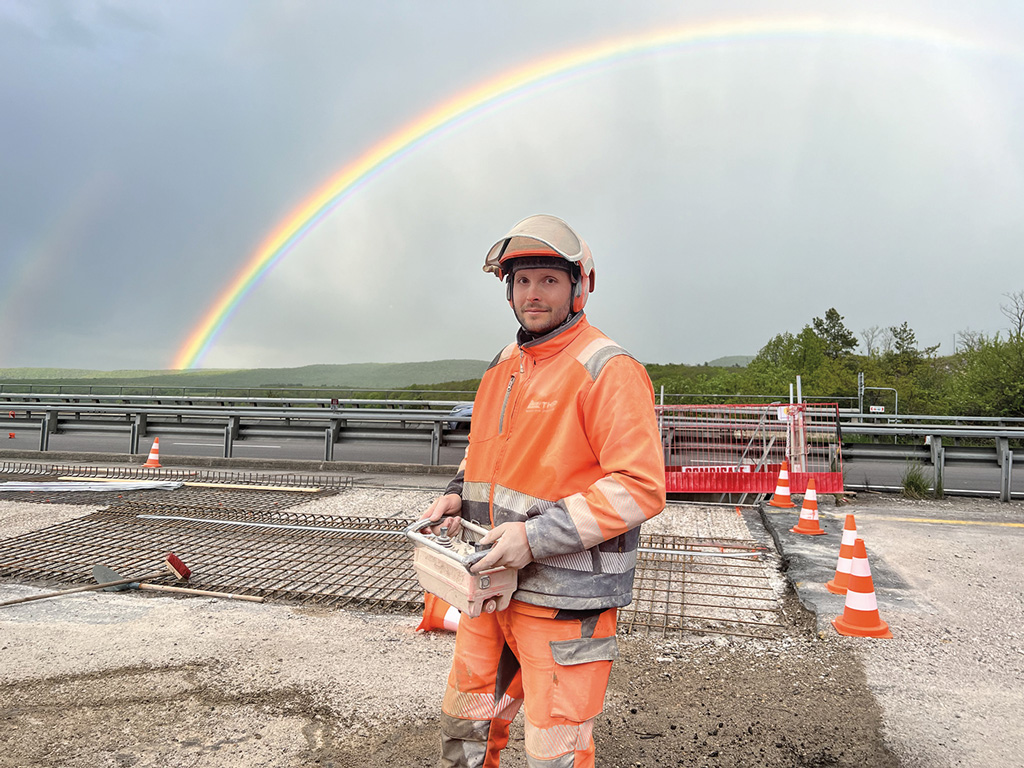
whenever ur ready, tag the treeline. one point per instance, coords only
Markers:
(984, 377)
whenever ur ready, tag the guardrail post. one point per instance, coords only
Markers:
(938, 460)
(47, 425)
(329, 444)
(1006, 476)
(138, 432)
(1002, 446)
(229, 442)
(435, 444)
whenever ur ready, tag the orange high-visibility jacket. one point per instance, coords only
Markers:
(564, 437)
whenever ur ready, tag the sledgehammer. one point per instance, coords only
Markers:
(116, 583)
(172, 564)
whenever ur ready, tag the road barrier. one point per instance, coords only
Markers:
(728, 445)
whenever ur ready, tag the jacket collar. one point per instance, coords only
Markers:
(556, 340)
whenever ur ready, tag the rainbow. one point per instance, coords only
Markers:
(497, 91)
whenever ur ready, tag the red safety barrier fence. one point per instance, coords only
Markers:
(740, 448)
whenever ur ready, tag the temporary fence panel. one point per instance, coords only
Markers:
(740, 448)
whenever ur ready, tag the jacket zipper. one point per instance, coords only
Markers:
(504, 405)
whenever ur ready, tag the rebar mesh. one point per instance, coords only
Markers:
(22, 468)
(366, 562)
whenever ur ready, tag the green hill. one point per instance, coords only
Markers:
(731, 361)
(357, 375)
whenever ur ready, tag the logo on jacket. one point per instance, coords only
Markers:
(541, 405)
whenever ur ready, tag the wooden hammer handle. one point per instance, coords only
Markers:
(188, 591)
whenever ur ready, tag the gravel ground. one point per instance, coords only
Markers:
(142, 679)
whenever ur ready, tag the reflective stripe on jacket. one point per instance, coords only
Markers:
(564, 437)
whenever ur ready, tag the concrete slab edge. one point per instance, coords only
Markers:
(277, 465)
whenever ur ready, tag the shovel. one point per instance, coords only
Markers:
(172, 564)
(115, 583)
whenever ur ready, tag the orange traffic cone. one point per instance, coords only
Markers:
(437, 614)
(808, 522)
(860, 616)
(10, 435)
(154, 454)
(842, 578)
(782, 499)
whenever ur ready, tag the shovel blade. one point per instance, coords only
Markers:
(101, 574)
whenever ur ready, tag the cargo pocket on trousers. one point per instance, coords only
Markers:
(580, 677)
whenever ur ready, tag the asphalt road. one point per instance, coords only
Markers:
(947, 581)
(288, 448)
(860, 475)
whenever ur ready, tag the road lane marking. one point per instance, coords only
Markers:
(884, 518)
(221, 445)
(937, 520)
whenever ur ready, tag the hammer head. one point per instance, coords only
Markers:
(177, 567)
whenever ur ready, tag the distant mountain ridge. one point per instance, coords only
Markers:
(730, 361)
(350, 375)
(359, 375)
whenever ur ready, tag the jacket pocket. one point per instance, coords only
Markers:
(580, 677)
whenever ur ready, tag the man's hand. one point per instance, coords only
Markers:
(448, 506)
(511, 548)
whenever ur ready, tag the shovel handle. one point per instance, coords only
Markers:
(188, 591)
(89, 588)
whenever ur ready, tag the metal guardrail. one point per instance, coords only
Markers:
(431, 427)
(225, 400)
(991, 440)
(933, 449)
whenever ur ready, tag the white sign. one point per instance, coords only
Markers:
(877, 409)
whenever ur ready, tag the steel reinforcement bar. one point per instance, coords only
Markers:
(365, 562)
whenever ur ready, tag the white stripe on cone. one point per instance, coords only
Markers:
(451, 618)
(861, 601)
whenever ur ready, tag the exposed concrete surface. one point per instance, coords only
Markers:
(948, 582)
(133, 679)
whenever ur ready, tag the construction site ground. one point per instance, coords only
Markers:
(148, 679)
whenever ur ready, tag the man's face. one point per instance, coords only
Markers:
(541, 298)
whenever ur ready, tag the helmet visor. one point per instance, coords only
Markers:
(535, 235)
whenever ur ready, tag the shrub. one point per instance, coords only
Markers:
(915, 482)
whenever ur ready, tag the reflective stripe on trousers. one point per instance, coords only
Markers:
(562, 680)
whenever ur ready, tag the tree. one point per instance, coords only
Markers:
(904, 340)
(989, 380)
(839, 340)
(1014, 312)
(871, 337)
(902, 356)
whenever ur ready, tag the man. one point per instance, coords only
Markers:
(565, 461)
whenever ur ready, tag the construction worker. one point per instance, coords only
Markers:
(565, 462)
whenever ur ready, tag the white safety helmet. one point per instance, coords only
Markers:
(546, 237)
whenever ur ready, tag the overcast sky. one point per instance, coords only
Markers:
(730, 190)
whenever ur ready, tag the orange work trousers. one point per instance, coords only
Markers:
(556, 668)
